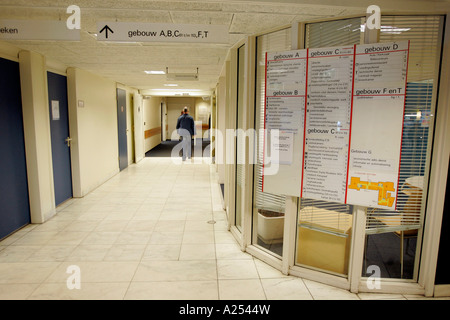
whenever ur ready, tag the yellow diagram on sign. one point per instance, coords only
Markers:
(384, 197)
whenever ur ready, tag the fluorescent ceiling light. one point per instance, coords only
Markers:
(155, 72)
(171, 85)
(179, 90)
(393, 30)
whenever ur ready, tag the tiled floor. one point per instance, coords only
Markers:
(145, 234)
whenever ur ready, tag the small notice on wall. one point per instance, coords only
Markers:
(282, 145)
(55, 110)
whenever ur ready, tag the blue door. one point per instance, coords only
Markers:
(122, 128)
(14, 201)
(60, 137)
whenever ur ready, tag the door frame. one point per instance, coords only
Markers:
(122, 132)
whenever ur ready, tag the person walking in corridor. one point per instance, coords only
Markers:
(186, 129)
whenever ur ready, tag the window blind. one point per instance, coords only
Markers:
(275, 41)
(424, 33)
(333, 33)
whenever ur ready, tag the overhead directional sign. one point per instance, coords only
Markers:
(106, 29)
(37, 30)
(161, 32)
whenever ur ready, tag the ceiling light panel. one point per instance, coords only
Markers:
(154, 72)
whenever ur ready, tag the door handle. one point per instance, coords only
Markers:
(68, 140)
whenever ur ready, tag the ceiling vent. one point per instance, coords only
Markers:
(181, 76)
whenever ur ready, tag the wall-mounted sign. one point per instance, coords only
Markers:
(55, 110)
(377, 124)
(327, 123)
(37, 30)
(351, 131)
(284, 113)
(161, 32)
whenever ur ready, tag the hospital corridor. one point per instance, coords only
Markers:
(211, 153)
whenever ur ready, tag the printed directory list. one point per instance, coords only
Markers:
(327, 123)
(285, 92)
(377, 124)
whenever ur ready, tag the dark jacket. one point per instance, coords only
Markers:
(186, 122)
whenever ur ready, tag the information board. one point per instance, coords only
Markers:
(377, 124)
(342, 108)
(283, 122)
(327, 125)
(53, 30)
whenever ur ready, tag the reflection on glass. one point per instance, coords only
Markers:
(393, 253)
(324, 232)
(270, 230)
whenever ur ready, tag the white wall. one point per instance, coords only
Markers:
(152, 121)
(138, 114)
(130, 135)
(36, 119)
(93, 128)
(220, 133)
(202, 114)
(8, 51)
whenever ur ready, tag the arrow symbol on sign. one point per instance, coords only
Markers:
(106, 29)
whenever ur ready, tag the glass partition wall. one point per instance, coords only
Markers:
(324, 229)
(323, 239)
(268, 209)
(240, 139)
(392, 241)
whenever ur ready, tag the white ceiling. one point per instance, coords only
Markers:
(126, 62)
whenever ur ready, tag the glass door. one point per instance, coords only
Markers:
(268, 209)
(393, 238)
(324, 228)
